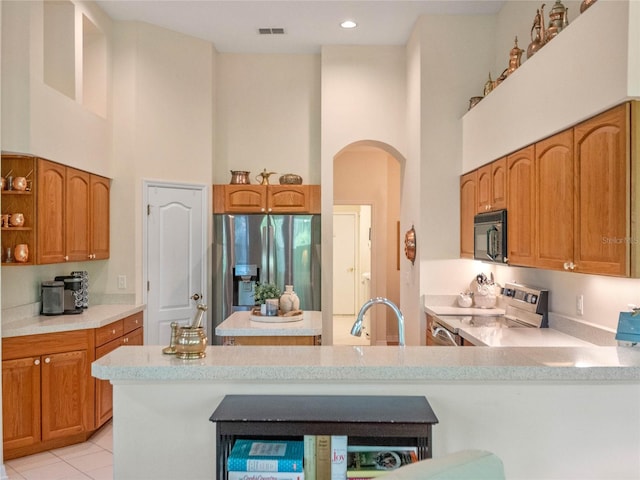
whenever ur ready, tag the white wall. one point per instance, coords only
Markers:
(268, 116)
(163, 128)
(363, 99)
(449, 69)
(570, 79)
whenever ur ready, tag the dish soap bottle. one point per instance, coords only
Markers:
(289, 301)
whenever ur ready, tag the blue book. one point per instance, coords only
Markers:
(266, 456)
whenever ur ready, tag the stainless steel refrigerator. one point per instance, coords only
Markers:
(250, 248)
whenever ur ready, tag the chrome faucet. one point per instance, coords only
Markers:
(356, 330)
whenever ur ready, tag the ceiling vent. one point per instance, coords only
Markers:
(271, 31)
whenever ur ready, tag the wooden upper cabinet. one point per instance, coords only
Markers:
(492, 186)
(77, 219)
(602, 180)
(266, 199)
(50, 212)
(555, 204)
(73, 214)
(468, 190)
(521, 212)
(99, 214)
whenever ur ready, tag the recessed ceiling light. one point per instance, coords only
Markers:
(348, 24)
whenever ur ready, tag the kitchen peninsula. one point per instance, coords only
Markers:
(241, 329)
(533, 407)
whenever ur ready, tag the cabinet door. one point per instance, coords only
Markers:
(555, 201)
(521, 207)
(468, 191)
(499, 184)
(104, 389)
(245, 198)
(21, 402)
(492, 186)
(288, 199)
(602, 230)
(100, 217)
(65, 403)
(483, 181)
(50, 205)
(77, 190)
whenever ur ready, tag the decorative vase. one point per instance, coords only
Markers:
(289, 301)
(21, 253)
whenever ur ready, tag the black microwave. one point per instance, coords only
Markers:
(490, 236)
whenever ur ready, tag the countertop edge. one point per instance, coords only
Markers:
(94, 317)
(365, 364)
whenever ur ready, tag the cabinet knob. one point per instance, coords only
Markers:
(125, 340)
(262, 209)
(36, 361)
(66, 258)
(47, 360)
(113, 331)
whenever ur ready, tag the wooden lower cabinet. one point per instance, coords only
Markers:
(48, 397)
(128, 331)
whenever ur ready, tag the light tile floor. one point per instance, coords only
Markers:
(91, 460)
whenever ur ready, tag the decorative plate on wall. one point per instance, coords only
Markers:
(410, 245)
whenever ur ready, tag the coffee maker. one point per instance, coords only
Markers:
(245, 278)
(52, 294)
(72, 294)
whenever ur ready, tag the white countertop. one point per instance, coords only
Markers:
(500, 336)
(239, 324)
(93, 317)
(349, 364)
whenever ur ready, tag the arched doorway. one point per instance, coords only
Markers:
(366, 181)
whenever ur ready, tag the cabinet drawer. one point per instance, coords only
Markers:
(135, 337)
(109, 332)
(102, 350)
(43, 344)
(132, 322)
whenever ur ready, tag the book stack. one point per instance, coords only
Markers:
(366, 461)
(266, 460)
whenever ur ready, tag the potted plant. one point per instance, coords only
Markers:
(264, 292)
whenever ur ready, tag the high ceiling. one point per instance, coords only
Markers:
(232, 25)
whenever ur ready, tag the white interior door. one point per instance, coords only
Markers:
(345, 240)
(176, 257)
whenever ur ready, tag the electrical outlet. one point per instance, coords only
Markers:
(122, 282)
(580, 304)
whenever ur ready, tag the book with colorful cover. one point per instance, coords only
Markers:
(266, 456)
(265, 476)
(376, 460)
(338, 457)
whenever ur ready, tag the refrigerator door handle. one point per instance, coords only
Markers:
(264, 253)
(271, 254)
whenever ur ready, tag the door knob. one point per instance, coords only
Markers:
(196, 296)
